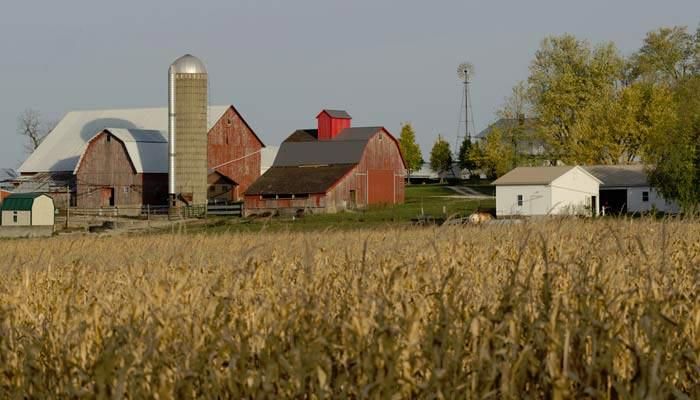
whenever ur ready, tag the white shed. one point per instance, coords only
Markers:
(27, 209)
(559, 190)
(626, 189)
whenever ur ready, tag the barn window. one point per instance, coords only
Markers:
(109, 137)
(126, 189)
(14, 217)
(229, 122)
(520, 200)
(645, 196)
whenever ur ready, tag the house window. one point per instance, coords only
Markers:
(645, 196)
(520, 200)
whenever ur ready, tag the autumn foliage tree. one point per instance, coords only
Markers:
(410, 149)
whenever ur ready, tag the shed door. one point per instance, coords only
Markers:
(381, 186)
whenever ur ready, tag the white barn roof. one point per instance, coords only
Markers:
(62, 148)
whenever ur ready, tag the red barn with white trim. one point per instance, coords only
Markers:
(331, 168)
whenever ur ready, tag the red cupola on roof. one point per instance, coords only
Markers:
(332, 122)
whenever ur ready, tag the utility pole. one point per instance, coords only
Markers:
(67, 205)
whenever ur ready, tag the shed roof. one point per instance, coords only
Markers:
(61, 149)
(19, 201)
(298, 180)
(335, 114)
(620, 175)
(532, 175)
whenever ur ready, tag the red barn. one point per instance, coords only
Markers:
(331, 168)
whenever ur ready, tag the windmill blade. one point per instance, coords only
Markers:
(465, 70)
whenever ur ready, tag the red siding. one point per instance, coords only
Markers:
(234, 150)
(329, 127)
(3, 194)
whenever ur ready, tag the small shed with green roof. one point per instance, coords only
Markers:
(27, 209)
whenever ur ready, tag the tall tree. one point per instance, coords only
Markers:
(441, 156)
(668, 55)
(566, 77)
(409, 148)
(30, 125)
(465, 162)
(494, 155)
(674, 154)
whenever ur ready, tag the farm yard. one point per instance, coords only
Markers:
(567, 308)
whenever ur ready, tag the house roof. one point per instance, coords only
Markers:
(619, 175)
(299, 180)
(19, 201)
(529, 125)
(61, 149)
(336, 114)
(532, 175)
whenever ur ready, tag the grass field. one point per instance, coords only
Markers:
(427, 199)
(561, 309)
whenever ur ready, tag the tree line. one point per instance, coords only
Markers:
(587, 104)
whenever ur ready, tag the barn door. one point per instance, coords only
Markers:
(380, 188)
(107, 197)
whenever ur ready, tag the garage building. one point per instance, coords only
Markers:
(557, 190)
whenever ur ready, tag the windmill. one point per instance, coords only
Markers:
(465, 72)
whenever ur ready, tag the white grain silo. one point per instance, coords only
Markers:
(187, 132)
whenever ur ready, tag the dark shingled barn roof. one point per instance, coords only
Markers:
(299, 180)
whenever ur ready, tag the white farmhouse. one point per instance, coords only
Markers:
(558, 190)
(626, 189)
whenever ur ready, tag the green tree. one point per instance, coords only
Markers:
(674, 153)
(494, 155)
(465, 162)
(441, 156)
(410, 149)
(566, 77)
(668, 55)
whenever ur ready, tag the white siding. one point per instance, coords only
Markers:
(536, 200)
(572, 192)
(43, 211)
(635, 203)
(23, 218)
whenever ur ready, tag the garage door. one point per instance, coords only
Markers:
(381, 186)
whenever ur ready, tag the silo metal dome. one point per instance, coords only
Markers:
(188, 64)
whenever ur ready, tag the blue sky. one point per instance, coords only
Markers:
(280, 62)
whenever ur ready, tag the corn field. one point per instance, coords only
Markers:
(560, 309)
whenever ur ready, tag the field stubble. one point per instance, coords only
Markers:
(599, 309)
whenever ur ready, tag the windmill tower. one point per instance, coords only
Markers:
(465, 72)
